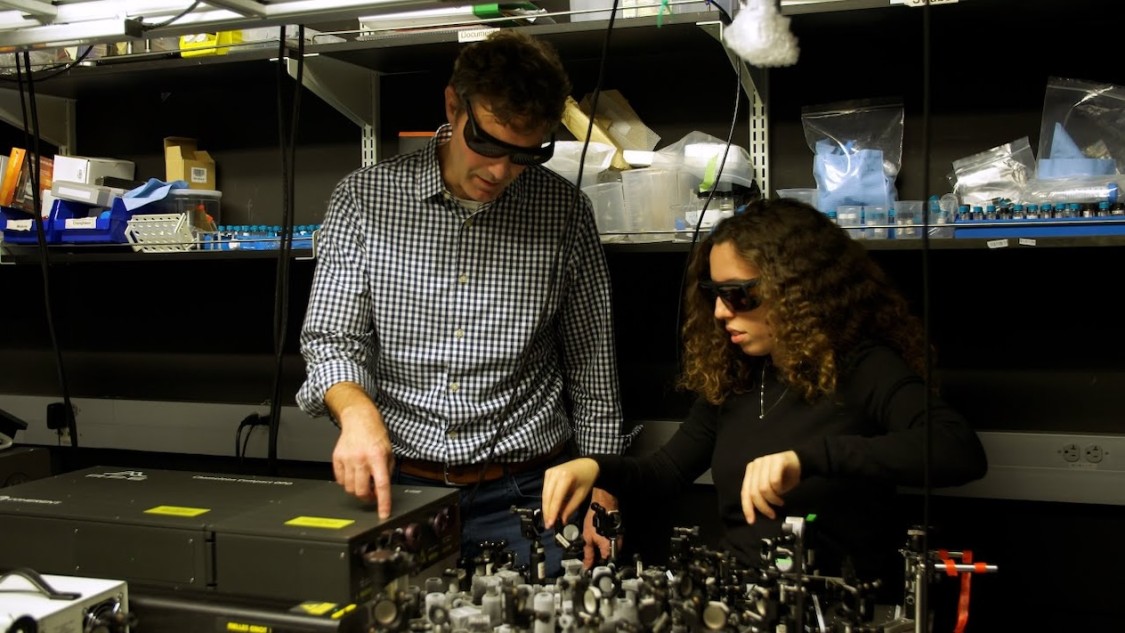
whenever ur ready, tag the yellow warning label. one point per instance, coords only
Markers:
(177, 511)
(242, 627)
(316, 608)
(320, 522)
(339, 613)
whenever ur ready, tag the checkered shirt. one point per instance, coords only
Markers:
(464, 324)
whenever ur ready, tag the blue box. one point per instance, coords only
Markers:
(11, 217)
(73, 224)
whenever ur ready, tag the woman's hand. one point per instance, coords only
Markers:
(565, 487)
(767, 479)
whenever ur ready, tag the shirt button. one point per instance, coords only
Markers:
(464, 278)
(452, 434)
(454, 386)
(459, 333)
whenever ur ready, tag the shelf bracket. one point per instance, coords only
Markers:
(43, 12)
(56, 118)
(754, 84)
(351, 90)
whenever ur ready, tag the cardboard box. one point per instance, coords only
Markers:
(183, 161)
(91, 171)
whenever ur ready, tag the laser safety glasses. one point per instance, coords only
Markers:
(485, 144)
(735, 296)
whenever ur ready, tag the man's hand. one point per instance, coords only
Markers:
(767, 479)
(596, 543)
(363, 454)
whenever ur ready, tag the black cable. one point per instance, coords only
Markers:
(31, 140)
(288, 145)
(702, 212)
(504, 416)
(927, 442)
(59, 68)
(159, 25)
(250, 421)
(724, 17)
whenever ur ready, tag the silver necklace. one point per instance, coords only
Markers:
(762, 397)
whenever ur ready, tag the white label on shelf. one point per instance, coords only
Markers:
(473, 35)
(82, 223)
(18, 225)
(1027, 241)
(997, 243)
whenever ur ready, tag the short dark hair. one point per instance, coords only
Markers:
(521, 78)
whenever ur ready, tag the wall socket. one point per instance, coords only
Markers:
(1093, 453)
(1070, 452)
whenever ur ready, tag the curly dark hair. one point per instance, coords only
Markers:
(825, 297)
(521, 77)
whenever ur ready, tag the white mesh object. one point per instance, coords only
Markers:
(760, 35)
(160, 232)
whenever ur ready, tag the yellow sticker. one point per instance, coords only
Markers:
(320, 522)
(316, 608)
(177, 511)
(242, 627)
(339, 613)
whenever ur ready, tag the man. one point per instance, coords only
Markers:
(458, 328)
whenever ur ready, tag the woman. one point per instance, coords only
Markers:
(807, 364)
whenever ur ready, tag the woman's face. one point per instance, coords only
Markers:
(747, 329)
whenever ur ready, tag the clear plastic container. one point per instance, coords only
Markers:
(808, 196)
(654, 198)
(608, 199)
(848, 216)
(203, 206)
(908, 215)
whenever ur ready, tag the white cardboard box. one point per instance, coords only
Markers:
(89, 171)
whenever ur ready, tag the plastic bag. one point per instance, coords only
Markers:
(857, 148)
(998, 173)
(699, 154)
(1083, 129)
(565, 160)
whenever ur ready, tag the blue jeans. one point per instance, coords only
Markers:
(487, 515)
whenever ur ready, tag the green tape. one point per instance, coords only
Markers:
(709, 174)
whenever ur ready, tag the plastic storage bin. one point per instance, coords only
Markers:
(202, 206)
(77, 223)
(18, 227)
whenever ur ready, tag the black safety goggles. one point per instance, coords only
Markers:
(485, 144)
(736, 296)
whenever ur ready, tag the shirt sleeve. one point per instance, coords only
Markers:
(673, 467)
(337, 338)
(586, 335)
(887, 391)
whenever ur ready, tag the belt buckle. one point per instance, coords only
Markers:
(445, 476)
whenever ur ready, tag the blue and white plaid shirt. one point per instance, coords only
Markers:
(451, 318)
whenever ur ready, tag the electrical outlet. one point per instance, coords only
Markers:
(1093, 453)
(1070, 452)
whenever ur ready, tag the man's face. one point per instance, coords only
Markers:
(473, 176)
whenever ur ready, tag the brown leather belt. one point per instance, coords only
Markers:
(468, 474)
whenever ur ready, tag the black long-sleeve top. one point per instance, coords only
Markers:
(854, 449)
